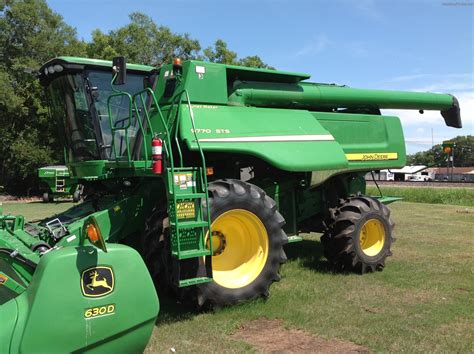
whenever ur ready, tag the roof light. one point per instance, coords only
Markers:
(177, 62)
(51, 69)
(46, 71)
(58, 68)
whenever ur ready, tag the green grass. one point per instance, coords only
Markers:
(454, 196)
(422, 302)
(34, 210)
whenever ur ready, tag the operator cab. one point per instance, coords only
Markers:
(81, 97)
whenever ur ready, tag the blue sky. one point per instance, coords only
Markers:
(421, 45)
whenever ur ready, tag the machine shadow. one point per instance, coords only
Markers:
(310, 254)
(171, 310)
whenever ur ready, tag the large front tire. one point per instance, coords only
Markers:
(247, 242)
(360, 237)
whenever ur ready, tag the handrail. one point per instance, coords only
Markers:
(140, 124)
(178, 145)
(193, 124)
(168, 147)
(204, 169)
(125, 128)
(203, 159)
(167, 133)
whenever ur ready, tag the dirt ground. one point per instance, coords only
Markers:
(270, 336)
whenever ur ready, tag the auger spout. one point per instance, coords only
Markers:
(322, 96)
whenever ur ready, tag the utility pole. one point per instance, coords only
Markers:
(448, 150)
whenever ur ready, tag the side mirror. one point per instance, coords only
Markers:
(119, 68)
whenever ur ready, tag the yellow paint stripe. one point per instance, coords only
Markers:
(372, 156)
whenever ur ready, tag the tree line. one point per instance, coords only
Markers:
(32, 33)
(463, 154)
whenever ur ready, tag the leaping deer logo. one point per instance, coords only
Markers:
(95, 283)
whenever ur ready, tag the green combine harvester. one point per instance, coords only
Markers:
(58, 183)
(202, 172)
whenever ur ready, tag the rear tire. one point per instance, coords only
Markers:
(248, 241)
(360, 237)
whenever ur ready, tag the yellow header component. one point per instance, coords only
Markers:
(372, 156)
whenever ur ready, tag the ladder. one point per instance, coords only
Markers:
(187, 196)
(60, 180)
(188, 228)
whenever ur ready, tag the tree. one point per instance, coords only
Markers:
(142, 41)
(221, 54)
(254, 61)
(30, 34)
(463, 153)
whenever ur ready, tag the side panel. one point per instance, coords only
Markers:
(370, 142)
(291, 140)
(9, 317)
(117, 315)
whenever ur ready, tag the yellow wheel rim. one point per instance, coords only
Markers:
(372, 237)
(240, 248)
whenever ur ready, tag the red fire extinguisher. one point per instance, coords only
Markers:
(157, 155)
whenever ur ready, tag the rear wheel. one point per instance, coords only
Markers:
(247, 243)
(360, 237)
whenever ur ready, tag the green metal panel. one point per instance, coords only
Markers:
(209, 87)
(9, 315)
(55, 292)
(288, 139)
(367, 135)
(208, 82)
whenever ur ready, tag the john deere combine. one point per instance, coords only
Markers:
(206, 171)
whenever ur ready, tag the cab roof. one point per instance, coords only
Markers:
(78, 64)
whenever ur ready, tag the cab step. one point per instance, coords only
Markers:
(192, 253)
(194, 281)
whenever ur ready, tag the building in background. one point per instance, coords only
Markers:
(423, 174)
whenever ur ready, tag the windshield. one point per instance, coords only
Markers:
(69, 106)
(86, 126)
(119, 108)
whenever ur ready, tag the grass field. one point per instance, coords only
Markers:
(453, 196)
(422, 302)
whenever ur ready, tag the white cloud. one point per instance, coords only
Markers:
(322, 42)
(432, 82)
(404, 78)
(411, 117)
(318, 45)
(368, 9)
(418, 128)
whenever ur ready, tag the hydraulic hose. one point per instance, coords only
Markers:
(17, 256)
